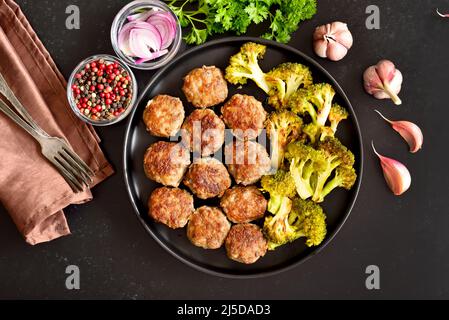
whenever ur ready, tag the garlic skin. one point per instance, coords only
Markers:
(332, 40)
(384, 81)
(411, 133)
(396, 175)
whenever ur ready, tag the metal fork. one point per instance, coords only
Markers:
(57, 152)
(19, 108)
(74, 170)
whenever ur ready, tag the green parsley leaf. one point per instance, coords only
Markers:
(211, 17)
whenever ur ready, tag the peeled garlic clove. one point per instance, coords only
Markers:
(332, 40)
(396, 174)
(411, 133)
(383, 81)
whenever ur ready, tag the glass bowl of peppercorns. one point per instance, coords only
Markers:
(102, 90)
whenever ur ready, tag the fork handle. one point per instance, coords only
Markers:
(20, 122)
(21, 110)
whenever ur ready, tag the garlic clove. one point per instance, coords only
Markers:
(336, 51)
(395, 87)
(338, 26)
(320, 47)
(411, 133)
(319, 33)
(396, 174)
(386, 70)
(345, 38)
(372, 81)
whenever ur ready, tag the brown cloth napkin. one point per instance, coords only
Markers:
(32, 191)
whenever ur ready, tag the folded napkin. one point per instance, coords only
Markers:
(31, 189)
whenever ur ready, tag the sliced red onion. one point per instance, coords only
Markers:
(123, 39)
(142, 40)
(142, 16)
(147, 35)
(155, 55)
(165, 15)
(165, 28)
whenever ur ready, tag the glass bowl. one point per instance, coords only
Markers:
(133, 8)
(72, 98)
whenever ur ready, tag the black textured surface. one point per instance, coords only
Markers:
(406, 237)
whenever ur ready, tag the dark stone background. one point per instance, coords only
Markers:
(406, 237)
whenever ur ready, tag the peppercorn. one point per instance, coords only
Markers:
(101, 90)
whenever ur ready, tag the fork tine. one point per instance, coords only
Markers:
(75, 164)
(78, 175)
(79, 161)
(73, 177)
(74, 184)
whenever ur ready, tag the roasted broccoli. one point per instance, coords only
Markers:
(282, 127)
(305, 162)
(294, 76)
(316, 133)
(310, 221)
(337, 156)
(312, 131)
(316, 101)
(277, 229)
(345, 177)
(326, 132)
(337, 115)
(279, 84)
(245, 65)
(293, 220)
(280, 184)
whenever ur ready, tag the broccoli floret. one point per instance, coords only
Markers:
(282, 127)
(281, 184)
(345, 177)
(293, 220)
(277, 229)
(293, 75)
(337, 115)
(326, 132)
(321, 96)
(310, 221)
(245, 65)
(312, 131)
(278, 91)
(300, 103)
(317, 133)
(316, 101)
(336, 155)
(305, 161)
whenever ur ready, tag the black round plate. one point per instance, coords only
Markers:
(169, 80)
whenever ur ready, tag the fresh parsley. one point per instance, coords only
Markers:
(209, 17)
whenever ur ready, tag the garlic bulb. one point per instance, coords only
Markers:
(383, 81)
(332, 41)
